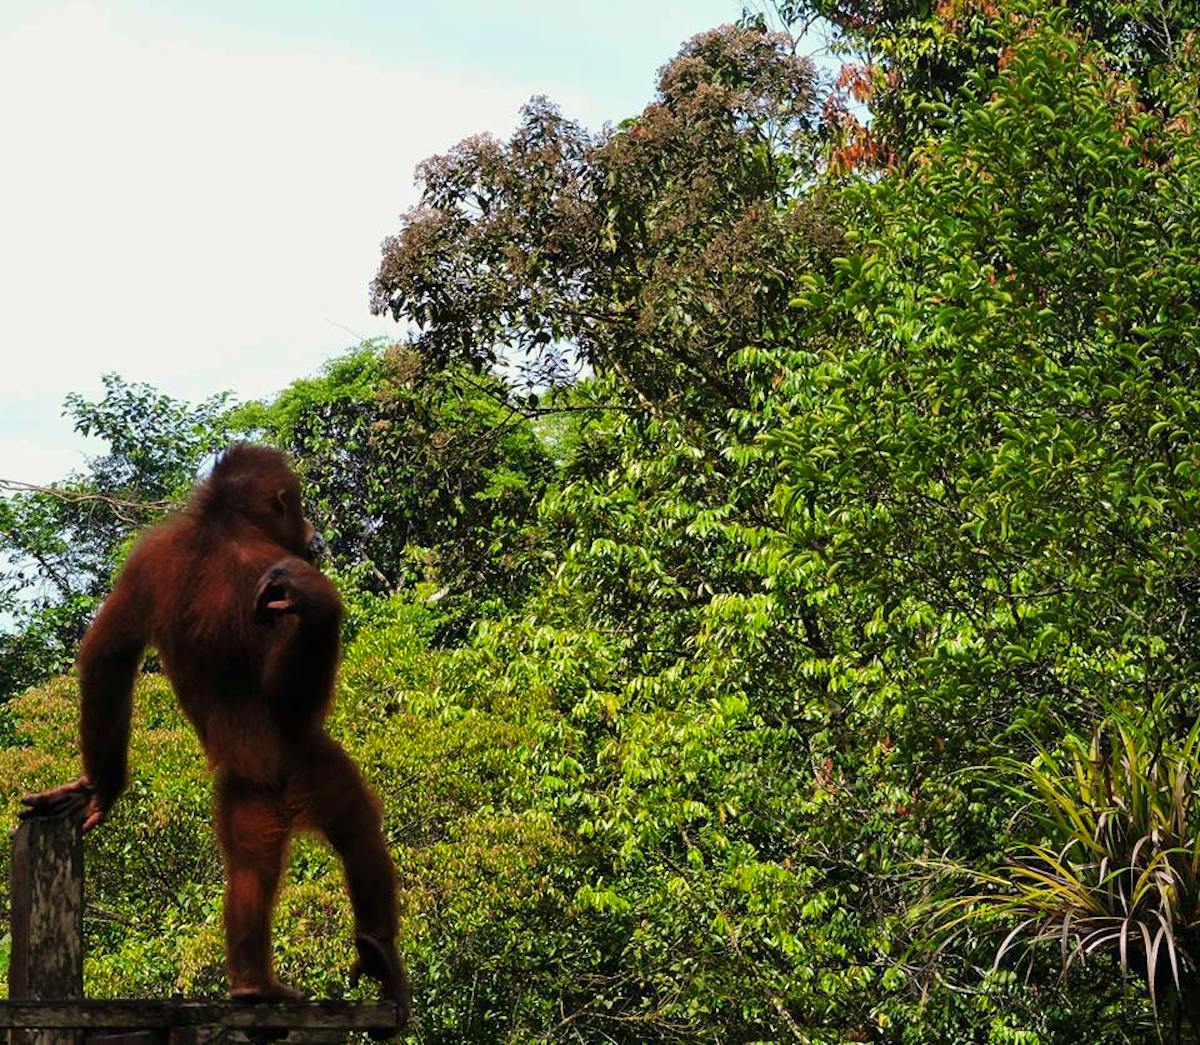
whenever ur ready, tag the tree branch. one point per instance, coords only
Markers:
(119, 506)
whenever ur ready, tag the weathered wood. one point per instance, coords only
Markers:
(140, 1037)
(217, 1036)
(132, 1015)
(46, 958)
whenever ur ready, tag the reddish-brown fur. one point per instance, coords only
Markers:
(248, 633)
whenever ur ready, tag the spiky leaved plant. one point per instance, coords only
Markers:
(1116, 865)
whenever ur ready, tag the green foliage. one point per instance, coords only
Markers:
(915, 62)
(982, 425)
(979, 425)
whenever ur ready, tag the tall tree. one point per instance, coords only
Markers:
(645, 251)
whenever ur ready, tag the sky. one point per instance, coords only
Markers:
(193, 192)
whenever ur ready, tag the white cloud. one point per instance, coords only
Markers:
(194, 218)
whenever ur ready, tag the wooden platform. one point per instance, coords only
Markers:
(45, 973)
(180, 1020)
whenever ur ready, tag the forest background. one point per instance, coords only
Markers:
(771, 558)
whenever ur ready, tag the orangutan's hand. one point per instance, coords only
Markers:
(76, 798)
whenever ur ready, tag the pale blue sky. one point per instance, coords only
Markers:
(604, 54)
(194, 191)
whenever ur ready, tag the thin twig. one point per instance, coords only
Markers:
(117, 504)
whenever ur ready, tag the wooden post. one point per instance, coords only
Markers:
(46, 897)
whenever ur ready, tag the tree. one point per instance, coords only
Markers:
(59, 545)
(914, 60)
(983, 437)
(644, 251)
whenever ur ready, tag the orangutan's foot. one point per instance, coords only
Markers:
(378, 959)
(270, 991)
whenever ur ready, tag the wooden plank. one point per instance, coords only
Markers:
(138, 1037)
(130, 1015)
(46, 960)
